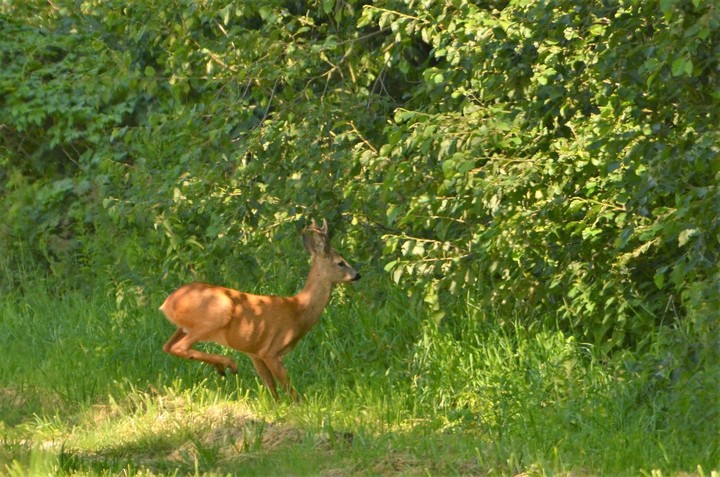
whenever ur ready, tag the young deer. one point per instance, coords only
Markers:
(263, 327)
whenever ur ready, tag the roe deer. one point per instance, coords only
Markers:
(263, 327)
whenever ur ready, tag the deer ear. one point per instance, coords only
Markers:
(307, 237)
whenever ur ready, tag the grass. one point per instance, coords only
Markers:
(86, 390)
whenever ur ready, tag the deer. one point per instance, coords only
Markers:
(264, 327)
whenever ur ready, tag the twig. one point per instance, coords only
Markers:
(267, 110)
(362, 138)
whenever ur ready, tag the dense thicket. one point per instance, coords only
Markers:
(547, 160)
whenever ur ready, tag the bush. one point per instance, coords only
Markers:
(556, 160)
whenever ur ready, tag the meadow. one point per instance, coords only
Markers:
(87, 390)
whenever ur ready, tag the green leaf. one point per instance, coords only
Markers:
(685, 236)
(689, 67)
(448, 167)
(597, 29)
(392, 213)
(402, 115)
(682, 66)
(328, 6)
(666, 7)
(397, 274)
(659, 278)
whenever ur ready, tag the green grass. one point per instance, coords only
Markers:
(86, 390)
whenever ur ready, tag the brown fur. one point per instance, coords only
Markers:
(263, 327)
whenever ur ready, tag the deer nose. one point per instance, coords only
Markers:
(356, 277)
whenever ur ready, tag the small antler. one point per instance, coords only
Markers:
(316, 238)
(314, 228)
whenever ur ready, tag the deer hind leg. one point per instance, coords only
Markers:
(266, 376)
(278, 370)
(180, 345)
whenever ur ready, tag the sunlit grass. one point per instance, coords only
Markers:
(86, 390)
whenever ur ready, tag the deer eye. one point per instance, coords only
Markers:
(342, 263)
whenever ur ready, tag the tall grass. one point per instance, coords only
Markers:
(85, 389)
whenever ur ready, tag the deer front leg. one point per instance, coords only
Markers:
(180, 345)
(179, 333)
(278, 370)
(266, 376)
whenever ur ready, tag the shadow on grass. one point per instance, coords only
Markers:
(210, 442)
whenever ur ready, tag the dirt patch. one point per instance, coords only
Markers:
(225, 431)
(11, 396)
(15, 406)
(395, 462)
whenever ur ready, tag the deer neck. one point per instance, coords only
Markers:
(313, 297)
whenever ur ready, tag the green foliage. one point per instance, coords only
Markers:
(560, 153)
(549, 159)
